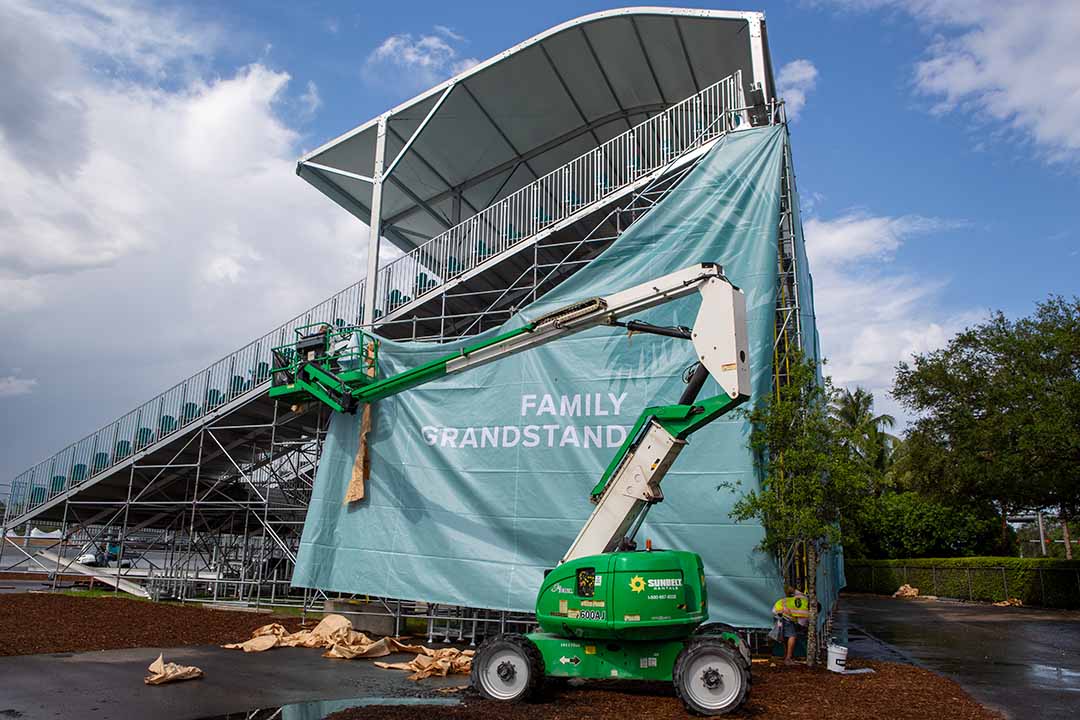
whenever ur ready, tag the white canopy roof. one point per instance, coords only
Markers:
(496, 127)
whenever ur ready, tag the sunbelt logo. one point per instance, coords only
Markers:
(638, 583)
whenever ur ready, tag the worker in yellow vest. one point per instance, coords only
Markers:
(792, 614)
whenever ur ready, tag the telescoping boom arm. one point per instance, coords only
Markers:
(335, 367)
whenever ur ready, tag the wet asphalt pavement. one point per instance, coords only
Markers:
(108, 685)
(1024, 662)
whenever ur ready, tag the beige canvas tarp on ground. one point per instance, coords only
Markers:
(162, 672)
(336, 634)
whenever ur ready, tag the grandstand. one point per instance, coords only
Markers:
(483, 193)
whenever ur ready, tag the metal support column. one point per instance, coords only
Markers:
(375, 230)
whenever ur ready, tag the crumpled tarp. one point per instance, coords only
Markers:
(906, 591)
(162, 672)
(480, 480)
(336, 634)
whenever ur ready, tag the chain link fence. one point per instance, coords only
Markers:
(1038, 583)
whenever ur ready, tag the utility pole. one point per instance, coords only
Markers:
(1065, 534)
(1042, 533)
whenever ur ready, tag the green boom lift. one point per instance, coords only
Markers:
(607, 610)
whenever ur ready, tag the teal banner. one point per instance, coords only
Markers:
(480, 481)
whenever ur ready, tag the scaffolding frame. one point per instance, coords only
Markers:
(184, 533)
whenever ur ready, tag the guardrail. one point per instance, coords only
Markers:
(562, 193)
(182, 405)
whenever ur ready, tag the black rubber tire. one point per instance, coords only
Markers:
(523, 646)
(716, 628)
(695, 648)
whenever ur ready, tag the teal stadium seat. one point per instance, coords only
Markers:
(189, 412)
(143, 437)
(238, 386)
(424, 283)
(214, 397)
(395, 299)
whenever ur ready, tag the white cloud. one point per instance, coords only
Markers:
(449, 32)
(147, 227)
(1013, 65)
(418, 61)
(870, 314)
(123, 34)
(795, 81)
(10, 386)
(857, 236)
(310, 101)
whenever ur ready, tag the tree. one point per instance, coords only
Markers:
(1051, 341)
(854, 410)
(999, 409)
(907, 524)
(807, 474)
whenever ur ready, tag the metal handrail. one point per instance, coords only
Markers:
(225, 381)
(562, 193)
(543, 204)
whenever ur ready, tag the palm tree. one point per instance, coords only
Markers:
(854, 411)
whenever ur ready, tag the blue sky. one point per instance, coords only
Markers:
(148, 151)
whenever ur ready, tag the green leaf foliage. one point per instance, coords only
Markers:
(910, 525)
(808, 472)
(998, 412)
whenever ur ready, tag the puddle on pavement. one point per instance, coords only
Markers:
(1056, 677)
(319, 709)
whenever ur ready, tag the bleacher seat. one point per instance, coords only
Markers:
(143, 437)
(238, 386)
(189, 412)
(214, 398)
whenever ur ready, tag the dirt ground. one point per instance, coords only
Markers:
(779, 693)
(32, 623)
(51, 623)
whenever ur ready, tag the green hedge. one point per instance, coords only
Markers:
(1036, 581)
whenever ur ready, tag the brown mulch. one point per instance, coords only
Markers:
(894, 691)
(32, 623)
